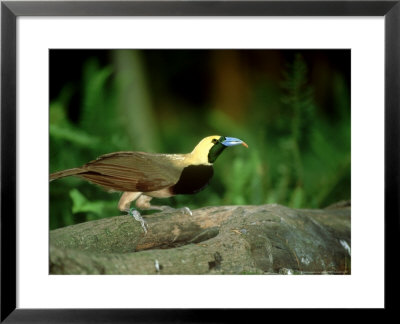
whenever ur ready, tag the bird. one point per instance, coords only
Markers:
(142, 176)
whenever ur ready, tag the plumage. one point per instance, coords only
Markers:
(133, 171)
(142, 176)
(193, 178)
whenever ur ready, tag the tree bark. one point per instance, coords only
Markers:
(267, 239)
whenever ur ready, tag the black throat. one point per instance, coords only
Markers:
(216, 150)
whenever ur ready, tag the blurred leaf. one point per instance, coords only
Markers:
(297, 198)
(73, 135)
(57, 114)
(81, 204)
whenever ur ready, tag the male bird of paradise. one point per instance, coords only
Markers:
(142, 176)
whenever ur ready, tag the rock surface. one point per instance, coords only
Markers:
(266, 239)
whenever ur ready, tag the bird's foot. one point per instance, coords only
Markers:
(186, 211)
(183, 210)
(136, 215)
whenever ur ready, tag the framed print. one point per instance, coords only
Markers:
(128, 96)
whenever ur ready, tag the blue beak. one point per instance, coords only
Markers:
(231, 141)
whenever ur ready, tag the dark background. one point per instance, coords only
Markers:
(292, 107)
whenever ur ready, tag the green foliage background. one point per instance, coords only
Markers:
(299, 150)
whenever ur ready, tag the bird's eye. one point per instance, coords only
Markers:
(214, 140)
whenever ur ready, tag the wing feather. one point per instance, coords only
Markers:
(134, 171)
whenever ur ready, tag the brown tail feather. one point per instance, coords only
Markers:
(65, 173)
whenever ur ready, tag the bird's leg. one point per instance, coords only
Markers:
(124, 205)
(136, 215)
(143, 202)
(126, 199)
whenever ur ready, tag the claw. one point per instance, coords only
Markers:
(168, 209)
(187, 211)
(136, 215)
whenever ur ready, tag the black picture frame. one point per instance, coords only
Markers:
(11, 10)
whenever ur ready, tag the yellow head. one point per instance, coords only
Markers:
(210, 147)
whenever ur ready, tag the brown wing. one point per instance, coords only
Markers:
(133, 171)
